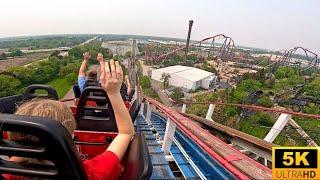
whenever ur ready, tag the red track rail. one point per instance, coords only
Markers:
(238, 164)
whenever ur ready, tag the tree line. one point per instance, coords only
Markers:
(15, 79)
(13, 52)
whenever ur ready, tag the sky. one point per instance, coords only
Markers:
(269, 24)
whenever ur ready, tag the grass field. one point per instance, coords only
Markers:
(61, 85)
(28, 58)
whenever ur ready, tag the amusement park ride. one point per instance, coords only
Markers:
(168, 144)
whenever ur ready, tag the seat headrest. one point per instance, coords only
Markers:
(30, 92)
(9, 104)
(55, 145)
(98, 116)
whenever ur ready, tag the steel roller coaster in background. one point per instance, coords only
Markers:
(218, 46)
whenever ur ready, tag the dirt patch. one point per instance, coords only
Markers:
(4, 64)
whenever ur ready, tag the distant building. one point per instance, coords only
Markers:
(119, 47)
(188, 78)
(63, 54)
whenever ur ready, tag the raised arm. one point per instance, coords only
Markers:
(102, 67)
(112, 85)
(86, 57)
(128, 85)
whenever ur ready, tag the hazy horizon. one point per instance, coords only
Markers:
(266, 24)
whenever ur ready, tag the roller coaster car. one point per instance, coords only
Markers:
(94, 111)
(96, 129)
(96, 122)
(56, 146)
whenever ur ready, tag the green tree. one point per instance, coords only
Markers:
(15, 52)
(230, 112)
(165, 78)
(240, 96)
(68, 69)
(284, 72)
(177, 94)
(71, 78)
(145, 82)
(3, 56)
(44, 74)
(249, 84)
(270, 82)
(116, 57)
(54, 54)
(8, 85)
(26, 75)
(209, 68)
(252, 124)
(192, 57)
(312, 109)
(198, 109)
(313, 88)
(265, 119)
(76, 52)
(266, 102)
(128, 54)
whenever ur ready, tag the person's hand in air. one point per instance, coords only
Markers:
(128, 85)
(84, 64)
(112, 84)
(86, 56)
(102, 68)
(100, 57)
(113, 77)
(127, 79)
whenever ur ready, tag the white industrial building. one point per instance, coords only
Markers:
(188, 78)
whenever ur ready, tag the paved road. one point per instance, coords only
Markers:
(89, 40)
(145, 68)
(57, 49)
(156, 86)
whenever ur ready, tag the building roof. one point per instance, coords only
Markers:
(189, 73)
(172, 69)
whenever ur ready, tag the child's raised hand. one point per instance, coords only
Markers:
(86, 56)
(100, 57)
(113, 77)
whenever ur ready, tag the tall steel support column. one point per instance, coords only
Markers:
(210, 111)
(168, 136)
(132, 69)
(142, 110)
(304, 135)
(132, 63)
(277, 127)
(188, 40)
(184, 108)
(148, 115)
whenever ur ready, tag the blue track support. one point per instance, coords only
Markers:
(209, 167)
(183, 164)
(161, 168)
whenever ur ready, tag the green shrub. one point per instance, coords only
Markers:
(71, 78)
(71, 68)
(145, 82)
(266, 102)
(230, 112)
(8, 85)
(177, 94)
